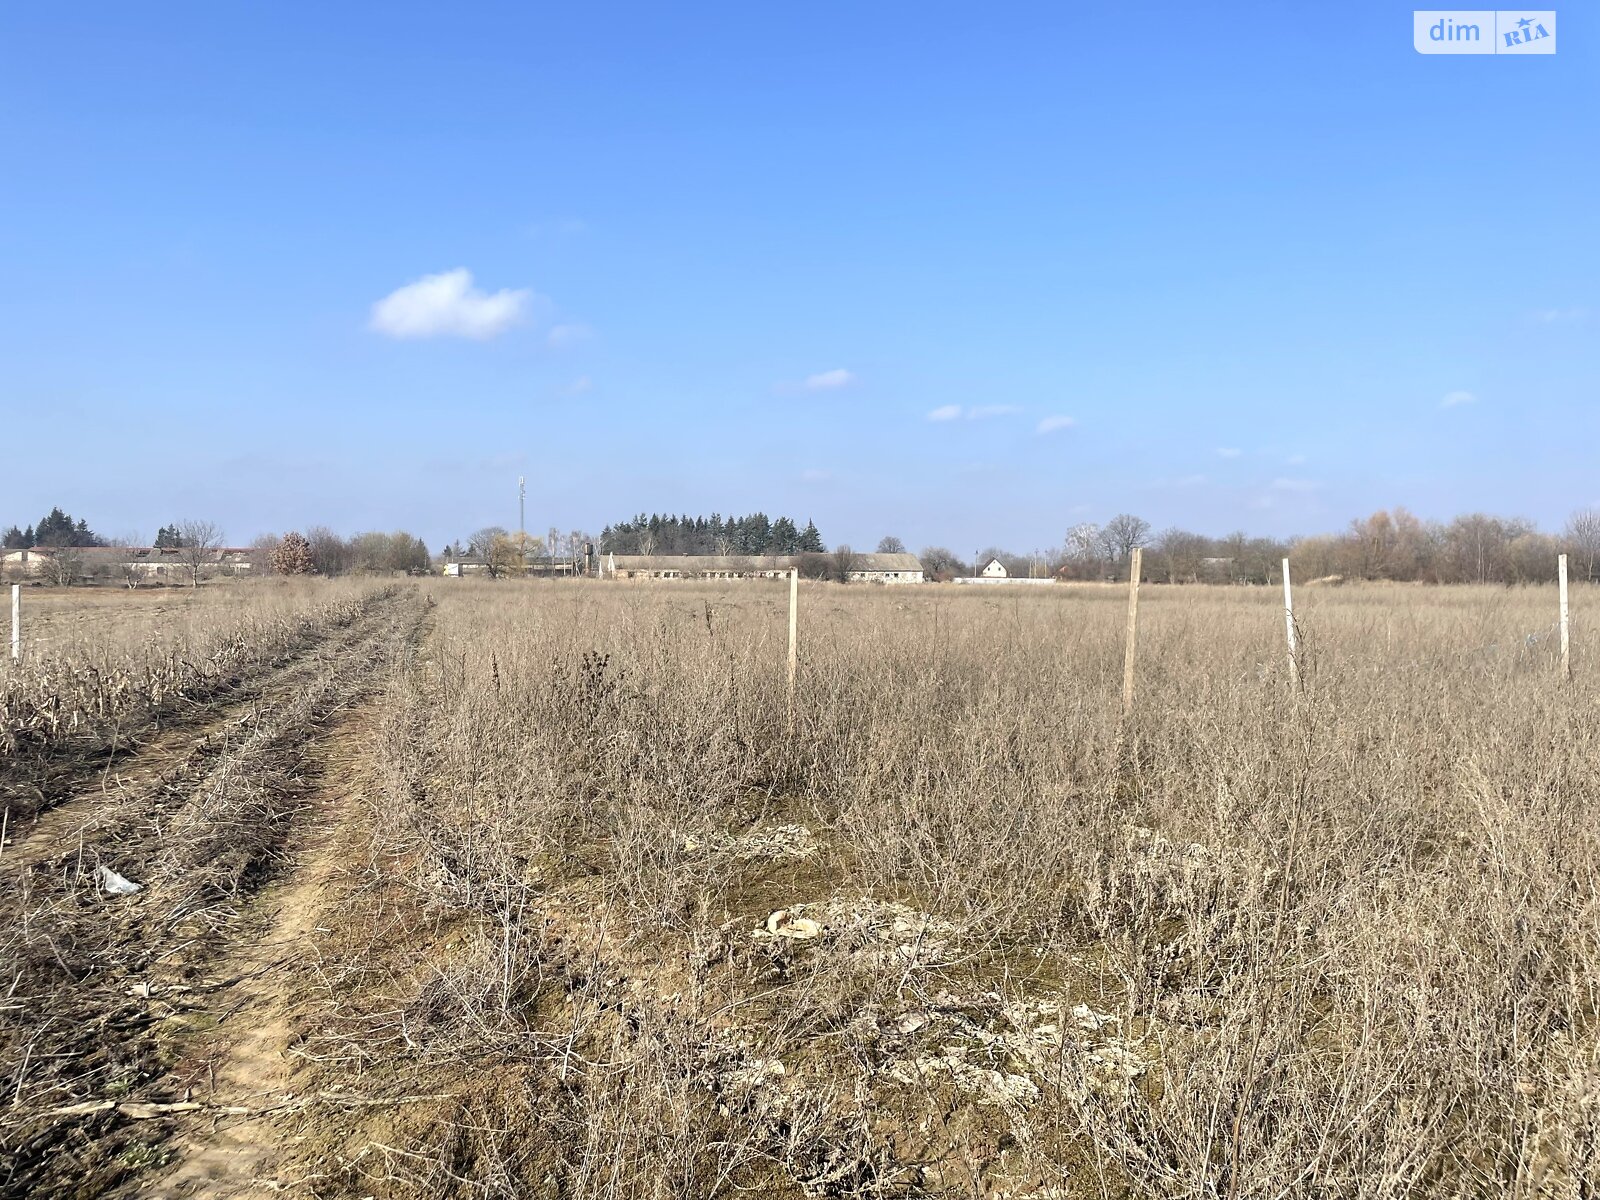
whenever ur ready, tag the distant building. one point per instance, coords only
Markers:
(995, 572)
(152, 562)
(863, 568)
(886, 568)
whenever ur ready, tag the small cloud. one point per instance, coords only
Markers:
(815, 475)
(1457, 399)
(1189, 481)
(562, 336)
(1228, 452)
(1559, 316)
(580, 385)
(1052, 424)
(447, 305)
(975, 412)
(827, 381)
(1295, 460)
(1294, 485)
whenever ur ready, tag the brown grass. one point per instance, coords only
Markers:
(1335, 942)
(621, 932)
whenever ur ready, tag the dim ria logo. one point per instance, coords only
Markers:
(1484, 32)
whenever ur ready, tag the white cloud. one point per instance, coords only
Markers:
(1294, 485)
(815, 475)
(562, 336)
(447, 305)
(827, 381)
(1189, 481)
(1456, 399)
(975, 412)
(1295, 460)
(1228, 452)
(1560, 316)
(1052, 424)
(580, 385)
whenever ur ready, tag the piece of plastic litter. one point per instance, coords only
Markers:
(115, 885)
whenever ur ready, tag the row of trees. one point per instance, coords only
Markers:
(321, 551)
(55, 528)
(1391, 544)
(1476, 548)
(753, 534)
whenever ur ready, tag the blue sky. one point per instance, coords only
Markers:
(1260, 267)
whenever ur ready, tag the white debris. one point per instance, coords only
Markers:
(115, 885)
(786, 923)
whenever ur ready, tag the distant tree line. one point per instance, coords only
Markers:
(1392, 544)
(754, 534)
(1476, 548)
(321, 551)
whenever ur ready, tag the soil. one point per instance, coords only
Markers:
(146, 1041)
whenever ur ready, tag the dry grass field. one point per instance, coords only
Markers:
(475, 889)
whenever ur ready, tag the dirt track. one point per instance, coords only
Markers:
(144, 1039)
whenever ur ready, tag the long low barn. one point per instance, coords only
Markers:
(863, 568)
(144, 560)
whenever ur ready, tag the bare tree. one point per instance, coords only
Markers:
(199, 543)
(64, 566)
(1085, 550)
(128, 567)
(1123, 534)
(844, 561)
(891, 545)
(263, 552)
(1583, 540)
(939, 562)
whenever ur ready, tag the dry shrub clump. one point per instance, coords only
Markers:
(955, 929)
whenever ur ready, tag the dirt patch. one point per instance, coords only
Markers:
(242, 1067)
(164, 1004)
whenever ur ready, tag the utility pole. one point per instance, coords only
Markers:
(522, 510)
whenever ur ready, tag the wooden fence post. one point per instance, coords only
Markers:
(16, 622)
(1135, 566)
(1566, 637)
(1288, 626)
(794, 656)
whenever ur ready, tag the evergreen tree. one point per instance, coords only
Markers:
(811, 540)
(58, 529)
(15, 539)
(785, 537)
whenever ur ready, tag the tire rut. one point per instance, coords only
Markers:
(114, 999)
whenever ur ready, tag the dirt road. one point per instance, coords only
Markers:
(146, 1039)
